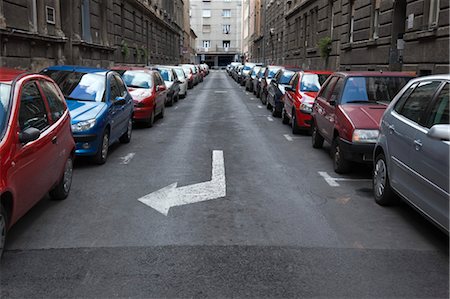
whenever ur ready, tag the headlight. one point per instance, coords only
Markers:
(83, 126)
(306, 108)
(365, 136)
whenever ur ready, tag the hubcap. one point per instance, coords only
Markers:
(130, 128)
(105, 146)
(68, 175)
(379, 177)
(337, 155)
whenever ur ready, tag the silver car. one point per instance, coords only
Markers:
(411, 157)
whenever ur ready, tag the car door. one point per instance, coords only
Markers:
(161, 95)
(321, 103)
(407, 116)
(114, 109)
(289, 96)
(32, 174)
(126, 110)
(430, 161)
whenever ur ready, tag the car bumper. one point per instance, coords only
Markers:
(304, 120)
(86, 144)
(361, 153)
(142, 113)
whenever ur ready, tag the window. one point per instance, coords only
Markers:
(434, 13)
(121, 85)
(206, 13)
(226, 29)
(54, 99)
(206, 44)
(50, 12)
(375, 18)
(313, 82)
(326, 91)
(337, 90)
(226, 13)
(417, 102)
(5, 98)
(206, 28)
(86, 21)
(352, 20)
(226, 43)
(440, 110)
(114, 89)
(32, 112)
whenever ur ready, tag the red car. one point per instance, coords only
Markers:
(299, 98)
(347, 113)
(36, 145)
(148, 90)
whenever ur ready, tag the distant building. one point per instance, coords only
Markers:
(218, 25)
(38, 33)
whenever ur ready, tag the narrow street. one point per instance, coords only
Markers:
(287, 227)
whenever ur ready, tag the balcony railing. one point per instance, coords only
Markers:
(218, 50)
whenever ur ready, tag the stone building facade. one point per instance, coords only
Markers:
(38, 33)
(406, 35)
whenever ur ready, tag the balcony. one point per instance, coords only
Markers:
(218, 50)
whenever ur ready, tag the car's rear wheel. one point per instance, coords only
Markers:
(341, 165)
(382, 191)
(295, 128)
(317, 139)
(268, 105)
(3, 229)
(61, 191)
(163, 110)
(285, 118)
(149, 123)
(102, 153)
(126, 137)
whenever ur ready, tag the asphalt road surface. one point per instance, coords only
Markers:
(280, 231)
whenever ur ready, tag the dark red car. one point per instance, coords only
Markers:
(36, 145)
(299, 98)
(148, 90)
(347, 113)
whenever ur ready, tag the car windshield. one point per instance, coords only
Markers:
(286, 76)
(312, 82)
(180, 73)
(138, 79)
(80, 86)
(372, 89)
(256, 70)
(166, 74)
(248, 67)
(272, 72)
(5, 96)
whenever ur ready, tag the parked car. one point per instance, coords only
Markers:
(36, 145)
(411, 157)
(246, 73)
(237, 73)
(250, 82)
(189, 72)
(271, 70)
(299, 99)
(276, 90)
(100, 106)
(257, 82)
(347, 113)
(233, 65)
(183, 81)
(148, 90)
(172, 83)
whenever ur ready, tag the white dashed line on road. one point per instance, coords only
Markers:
(127, 159)
(260, 107)
(333, 182)
(220, 91)
(288, 137)
(269, 118)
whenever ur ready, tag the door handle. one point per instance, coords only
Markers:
(391, 129)
(55, 140)
(418, 144)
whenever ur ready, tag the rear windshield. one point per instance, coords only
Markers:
(138, 79)
(286, 77)
(80, 86)
(272, 72)
(372, 89)
(5, 96)
(312, 82)
(166, 74)
(256, 70)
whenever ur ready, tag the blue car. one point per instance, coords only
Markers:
(100, 107)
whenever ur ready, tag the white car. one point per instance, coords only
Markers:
(182, 77)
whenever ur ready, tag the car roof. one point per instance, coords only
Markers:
(317, 72)
(432, 77)
(73, 68)
(129, 68)
(8, 75)
(374, 74)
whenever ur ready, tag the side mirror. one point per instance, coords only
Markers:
(332, 100)
(120, 101)
(440, 132)
(160, 88)
(30, 134)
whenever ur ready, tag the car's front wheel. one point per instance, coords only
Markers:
(102, 153)
(284, 117)
(382, 191)
(295, 128)
(341, 165)
(317, 139)
(126, 137)
(3, 228)
(61, 191)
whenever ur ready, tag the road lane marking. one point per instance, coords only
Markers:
(260, 107)
(252, 98)
(127, 159)
(288, 137)
(333, 182)
(172, 196)
(220, 91)
(269, 118)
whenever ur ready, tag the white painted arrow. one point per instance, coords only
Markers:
(171, 196)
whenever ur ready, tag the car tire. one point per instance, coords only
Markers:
(317, 139)
(340, 164)
(284, 118)
(263, 98)
(163, 110)
(3, 229)
(149, 123)
(276, 113)
(102, 153)
(382, 190)
(61, 191)
(268, 105)
(170, 103)
(126, 137)
(295, 128)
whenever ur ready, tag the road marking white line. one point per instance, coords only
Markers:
(260, 107)
(288, 137)
(176, 107)
(220, 91)
(333, 182)
(269, 118)
(252, 98)
(127, 159)
(171, 196)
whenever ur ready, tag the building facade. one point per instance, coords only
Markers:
(38, 33)
(400, 35)
(218, 25)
